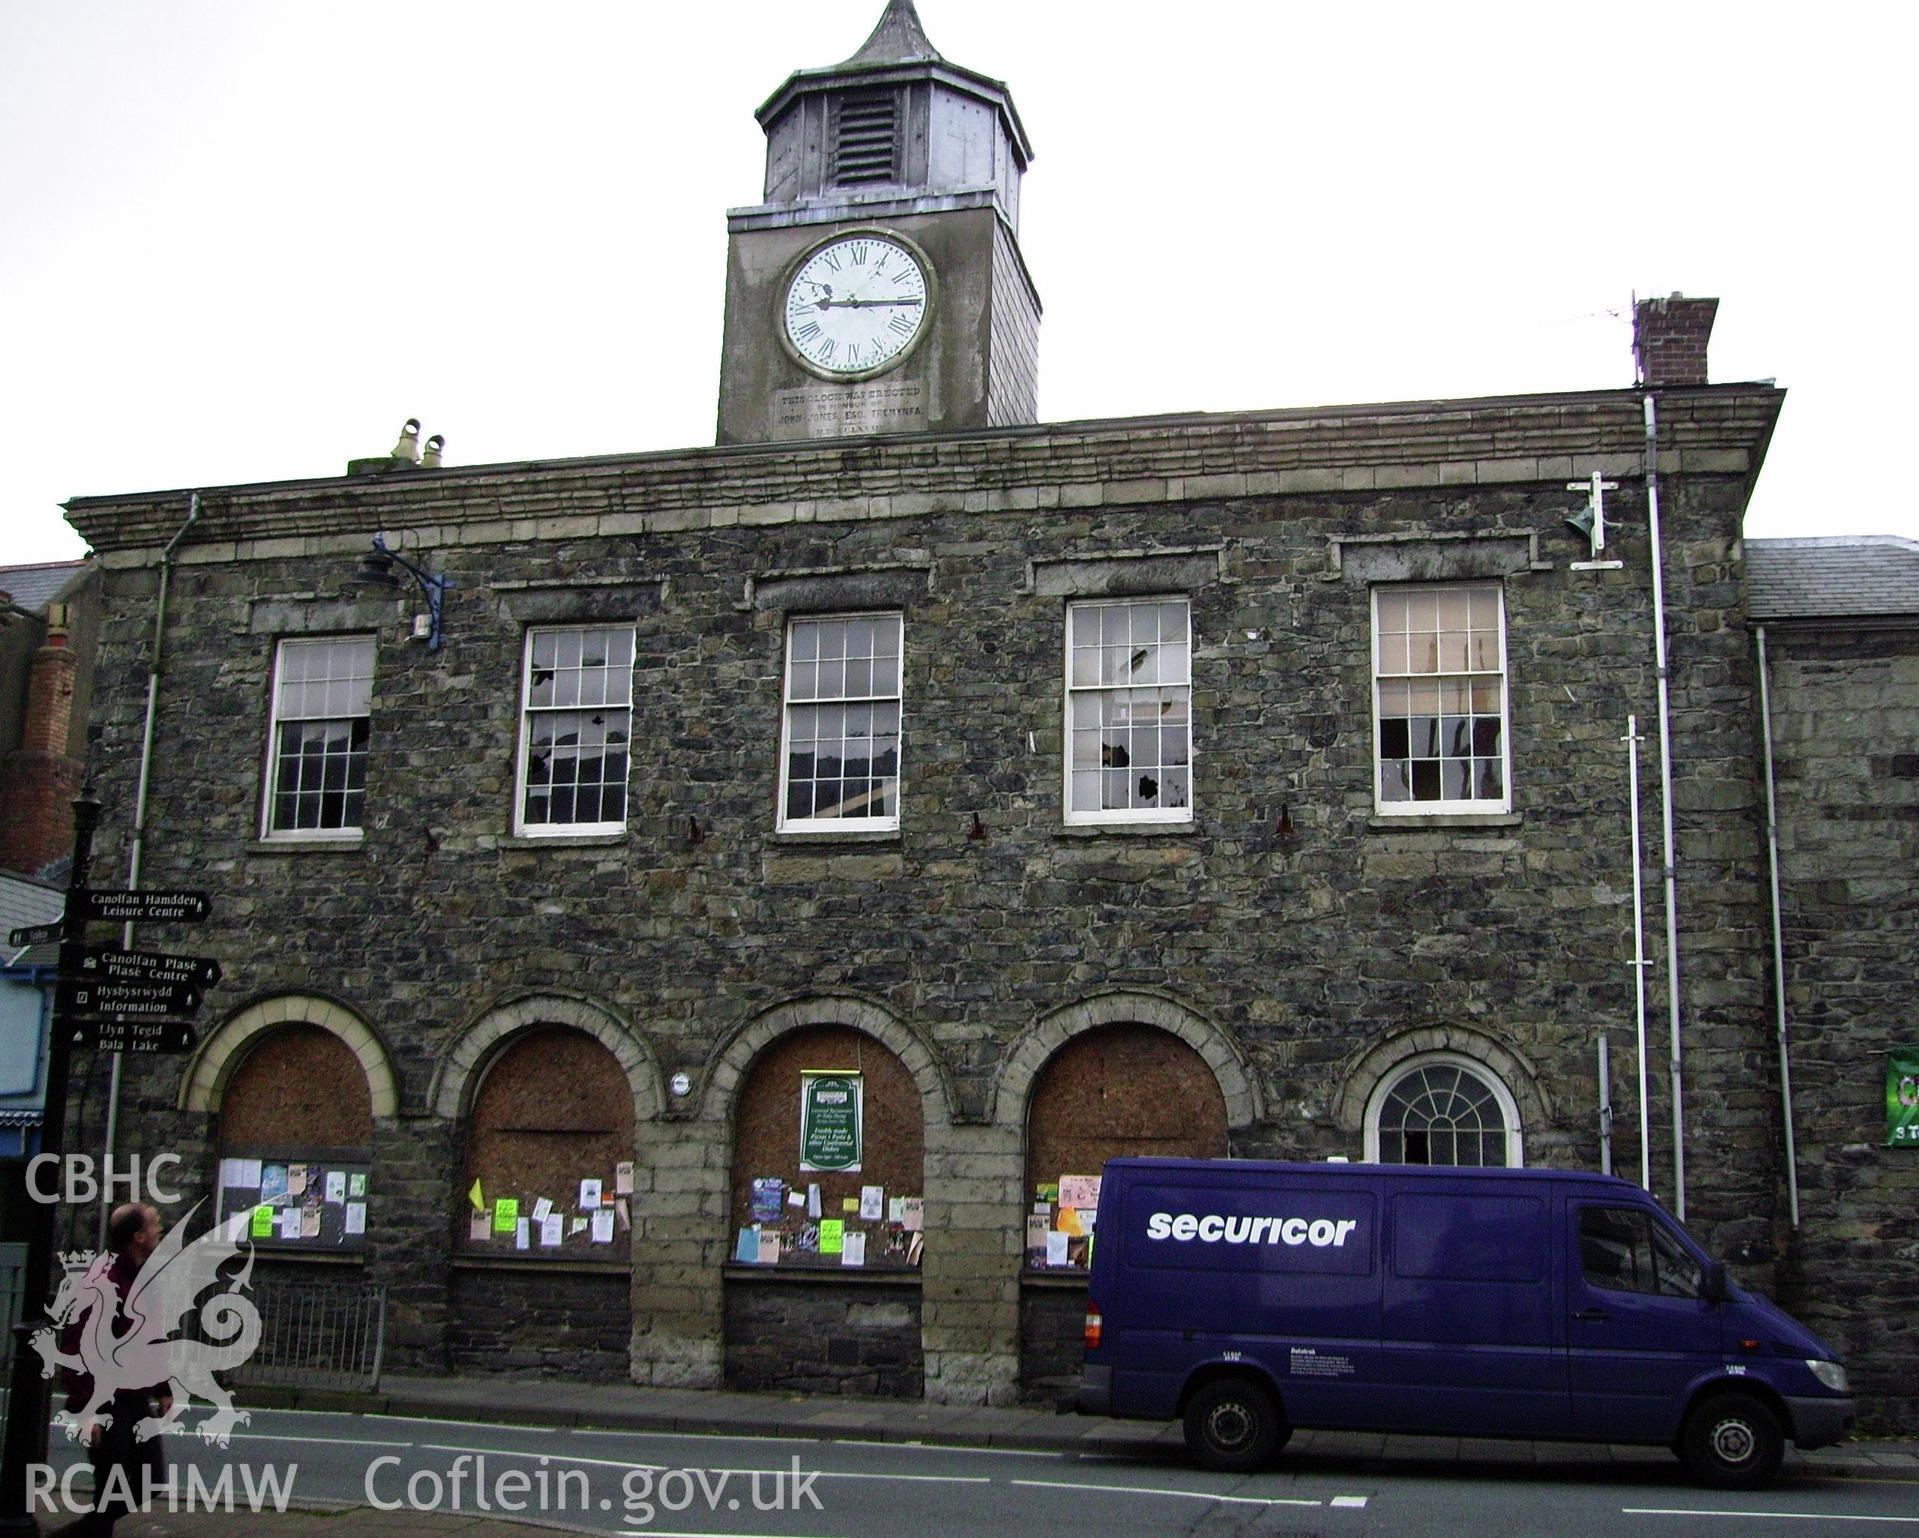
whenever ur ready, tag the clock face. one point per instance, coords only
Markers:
(857, 305)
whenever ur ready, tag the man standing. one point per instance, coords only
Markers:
(124, 1468)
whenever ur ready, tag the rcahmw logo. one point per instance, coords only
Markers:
(1215, 1229)
(166, 1289)
(49, 1490)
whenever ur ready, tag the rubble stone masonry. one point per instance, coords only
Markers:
(1303, 956)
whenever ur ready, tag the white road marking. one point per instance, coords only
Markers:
(310, 1441)
(1354, 1501)
(438, 1420)
(1191, 1495)
(669, 1436)
(616, 1463)
(655, 1532)
(1760, 1516)
(518, 1452)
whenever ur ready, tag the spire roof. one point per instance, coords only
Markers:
(898, 39)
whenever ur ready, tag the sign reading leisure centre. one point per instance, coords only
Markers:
(144, 907)
(829, 1121)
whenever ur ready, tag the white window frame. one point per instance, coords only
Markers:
(521, 826)
(278, 717)
(1501, 1093)
(1454, 806)
(842, 824)
(1081, 817)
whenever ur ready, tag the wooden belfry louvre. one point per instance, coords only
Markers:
(866, 138)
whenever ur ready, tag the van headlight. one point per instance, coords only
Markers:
(1831, 1374)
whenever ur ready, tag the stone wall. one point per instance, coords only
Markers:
(1052, 1341)
(1845, 709)
(821, 1335)
(544, 1321)
(1302, 944)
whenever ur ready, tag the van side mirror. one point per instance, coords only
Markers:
(1712, 1286)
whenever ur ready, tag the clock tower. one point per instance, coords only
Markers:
(879, 288)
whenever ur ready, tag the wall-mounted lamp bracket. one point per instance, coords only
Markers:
(376, 570)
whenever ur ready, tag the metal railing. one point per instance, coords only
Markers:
(13, 1274)
(317, 1334)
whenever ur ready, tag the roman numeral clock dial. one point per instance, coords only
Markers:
(857, 304)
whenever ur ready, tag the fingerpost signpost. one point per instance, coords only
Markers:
(105, 1000)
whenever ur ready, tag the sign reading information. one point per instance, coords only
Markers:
(1902, 1098)
(829, 1121)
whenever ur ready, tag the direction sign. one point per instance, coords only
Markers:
(145, 907)
(133, 1036)
(86, 996)
(35, 934)
(101, 963)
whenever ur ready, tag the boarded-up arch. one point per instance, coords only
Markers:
(219, 1057)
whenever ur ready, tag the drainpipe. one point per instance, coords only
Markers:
(1665, 805)
(1639, 962)
(140, 806)
(1778, 943)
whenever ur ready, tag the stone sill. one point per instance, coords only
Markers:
(1439, 822)
(278, 846)
(264, 1251)
(1083, 830)
(560, 840)
(859, 1276)
(1052, 1279)
(811, 838)
(571, 1264)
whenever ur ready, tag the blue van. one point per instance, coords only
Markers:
(1249, 1298)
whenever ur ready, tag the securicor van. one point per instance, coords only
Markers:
(1253, 1298)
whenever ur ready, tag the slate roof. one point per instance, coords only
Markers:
(34, 587)
(24, 902)
(1848, 576)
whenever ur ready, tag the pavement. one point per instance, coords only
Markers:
(823, 1417)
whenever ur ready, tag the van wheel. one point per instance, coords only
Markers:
(1233, 1425)
(1732, 1441)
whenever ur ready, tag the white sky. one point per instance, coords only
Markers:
(242, 241)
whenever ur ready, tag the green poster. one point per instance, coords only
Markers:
(829, 1121)
(1902, 1098)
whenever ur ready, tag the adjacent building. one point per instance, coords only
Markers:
(704, 916)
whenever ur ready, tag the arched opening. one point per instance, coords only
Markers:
(828, 1174)
(1443, 1108)
(543, 1231)
(296, 1143)
(1120, 1090)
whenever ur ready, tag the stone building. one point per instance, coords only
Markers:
(908, 785)
(1836, 631)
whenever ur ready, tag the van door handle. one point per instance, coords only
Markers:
(1590, 1315)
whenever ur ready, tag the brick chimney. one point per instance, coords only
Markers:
(39, 780)
(1669, 339)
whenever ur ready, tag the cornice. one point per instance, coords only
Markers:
(1500, 441)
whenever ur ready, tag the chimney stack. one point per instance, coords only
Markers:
(1669, 339)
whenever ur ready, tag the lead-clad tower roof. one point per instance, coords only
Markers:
(895, 120)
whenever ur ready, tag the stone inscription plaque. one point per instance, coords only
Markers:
(851, 410)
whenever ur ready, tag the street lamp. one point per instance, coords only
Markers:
(376, 570)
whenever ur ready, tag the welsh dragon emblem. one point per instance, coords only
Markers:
(147, 1351)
